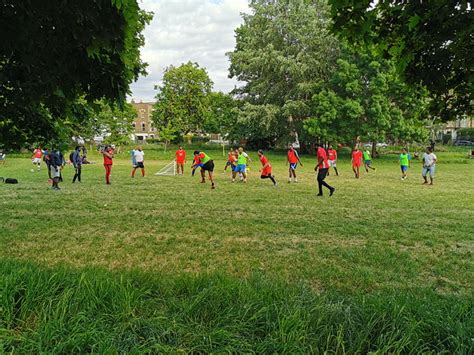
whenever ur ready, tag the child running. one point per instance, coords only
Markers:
(404, 163)
(108, 154)
(206, 164)
(36, 158)
(356, 161)
(180, 160)
(139, 156)
(292, 159)
(332, 159)
(266, 172)
(368, 161)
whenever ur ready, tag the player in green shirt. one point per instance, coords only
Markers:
(368, 161)
(404, 163)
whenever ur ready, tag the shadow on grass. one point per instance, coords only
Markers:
(92, 310)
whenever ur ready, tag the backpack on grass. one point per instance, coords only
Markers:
(9, 180)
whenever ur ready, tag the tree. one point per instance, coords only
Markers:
(116, 122)
(283, 51)
(53, 52)
(183, 98)
(431, 42)
(365, 99)
(167, 134)
(221, 115)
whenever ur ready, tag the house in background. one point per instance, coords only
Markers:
(143, 125)
(452, 127)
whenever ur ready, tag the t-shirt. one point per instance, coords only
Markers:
(332, 154)
(292, 156)
(242, 158)
(429, 159)
(356, 157)
(180, 156)
(204, 158)
(139, 155)
(107, 160)
(231, 157)
(404, 159)
(38, 153)
(367, 155)
(321, 154)
(263, 160)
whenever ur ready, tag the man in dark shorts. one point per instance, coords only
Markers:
(323, 166)
(207, 164)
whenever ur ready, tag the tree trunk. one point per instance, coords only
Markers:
(374, 150)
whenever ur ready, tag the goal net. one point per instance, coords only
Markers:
(168, 170)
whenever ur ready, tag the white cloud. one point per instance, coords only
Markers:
(200, 31)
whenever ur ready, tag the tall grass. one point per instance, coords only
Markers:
(92, 310)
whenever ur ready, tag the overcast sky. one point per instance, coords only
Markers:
(201, 31)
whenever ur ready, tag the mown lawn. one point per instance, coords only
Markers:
(167, 264)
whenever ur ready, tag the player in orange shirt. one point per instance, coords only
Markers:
(266, 172)
(356, 161)
(332, 159)
(292, 159)
(323, 166)
(180, 160)
(231, 159)
(108, 154)
(36, 158)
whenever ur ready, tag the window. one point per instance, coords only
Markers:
(143, 126)
(134, 125)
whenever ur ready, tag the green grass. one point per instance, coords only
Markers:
(166, 264)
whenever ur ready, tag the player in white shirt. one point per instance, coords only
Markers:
(138, 155)
(429, 165)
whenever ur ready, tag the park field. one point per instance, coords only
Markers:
(165, 264)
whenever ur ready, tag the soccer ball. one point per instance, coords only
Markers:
(32, 170)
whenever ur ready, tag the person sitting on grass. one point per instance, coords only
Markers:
(429, 165)
(206, 164)
(139, 155)
(356, 161)
(266, 172)
(404, 163)
(368, 161)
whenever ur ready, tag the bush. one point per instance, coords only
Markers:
(465, 134)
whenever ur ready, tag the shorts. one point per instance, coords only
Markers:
(55, 173)
(404, 168)
(368, 162)
(332, 163)
(180, 162)
(240, 168)
(209, 166)
(139, 164)
(428, 169)
(293, 166)
(228, 163)
(37, 161)
(267, 171)
(356, 165)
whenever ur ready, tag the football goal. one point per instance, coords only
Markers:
(168, 170)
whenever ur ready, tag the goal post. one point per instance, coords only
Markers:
(168, 170)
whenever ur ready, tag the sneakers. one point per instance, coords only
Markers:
(332, 191)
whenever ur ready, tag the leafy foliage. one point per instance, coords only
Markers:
(431, 41)
(53, 52)
(183, 99)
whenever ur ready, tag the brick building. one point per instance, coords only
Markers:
(143, 125)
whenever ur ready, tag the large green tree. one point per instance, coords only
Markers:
(366, 99)
(183, 99)
(431, 41)
(54, 51)
(283, 51)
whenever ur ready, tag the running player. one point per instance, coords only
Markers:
(368, 161)
(139, 156)
(180, 160)
(36, 158)
(231, 159)
(292, 159)
(332, 159)
(207, 164)
(266, 172)
(243, 160)
(323, 166)
(356, 161)
(404, 163)
(108, 154)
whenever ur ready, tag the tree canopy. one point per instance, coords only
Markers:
(53, 52)
(431, 41)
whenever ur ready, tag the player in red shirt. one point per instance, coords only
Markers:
(231, 160)
(266, 168)
(180, 160)
(323, 166)
(108, 154)
(36, 158)
(332, 159)
(356, 161)
(292, 159)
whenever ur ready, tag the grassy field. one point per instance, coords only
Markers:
(167, 264)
